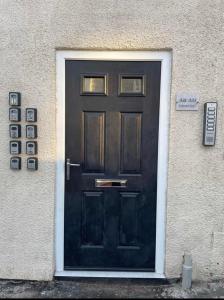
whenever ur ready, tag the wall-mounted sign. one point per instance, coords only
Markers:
(186, 102)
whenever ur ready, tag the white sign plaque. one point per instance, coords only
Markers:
(186, 102)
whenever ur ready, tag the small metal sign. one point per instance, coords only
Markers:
(186, 102)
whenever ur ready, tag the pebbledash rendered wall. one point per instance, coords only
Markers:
(30, 33)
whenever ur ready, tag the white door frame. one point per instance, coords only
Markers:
(165, 58)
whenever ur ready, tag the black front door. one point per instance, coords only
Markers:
(112, 117)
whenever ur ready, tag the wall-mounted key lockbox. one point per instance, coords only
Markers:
(15, 130)
(210, 117)
(14, 114)
(31, 131)
(31, 148)
(32, 163)
(15, 163)
(15, 147)
(31, 114)
(14, 99)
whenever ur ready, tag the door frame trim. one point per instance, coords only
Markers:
(162, 167)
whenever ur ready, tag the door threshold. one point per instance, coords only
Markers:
(109, 274)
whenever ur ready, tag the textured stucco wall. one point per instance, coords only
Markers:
(30, 33)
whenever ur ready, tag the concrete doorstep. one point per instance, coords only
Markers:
(108, 288)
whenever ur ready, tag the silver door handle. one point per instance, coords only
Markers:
(68, 166)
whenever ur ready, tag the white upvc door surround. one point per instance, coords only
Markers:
(165, 58)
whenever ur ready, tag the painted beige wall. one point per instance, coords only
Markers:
(30, 33)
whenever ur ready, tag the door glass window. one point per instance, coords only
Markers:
(132, 85)
(93, 85)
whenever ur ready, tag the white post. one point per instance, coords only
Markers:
(187, 272)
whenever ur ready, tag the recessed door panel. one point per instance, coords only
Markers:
(111, 146)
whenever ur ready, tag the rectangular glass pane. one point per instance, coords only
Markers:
(131, 85)
(94, 85)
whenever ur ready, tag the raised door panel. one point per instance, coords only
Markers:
(128, 219)
(93, 141)
(131, 128)
(92, 219)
